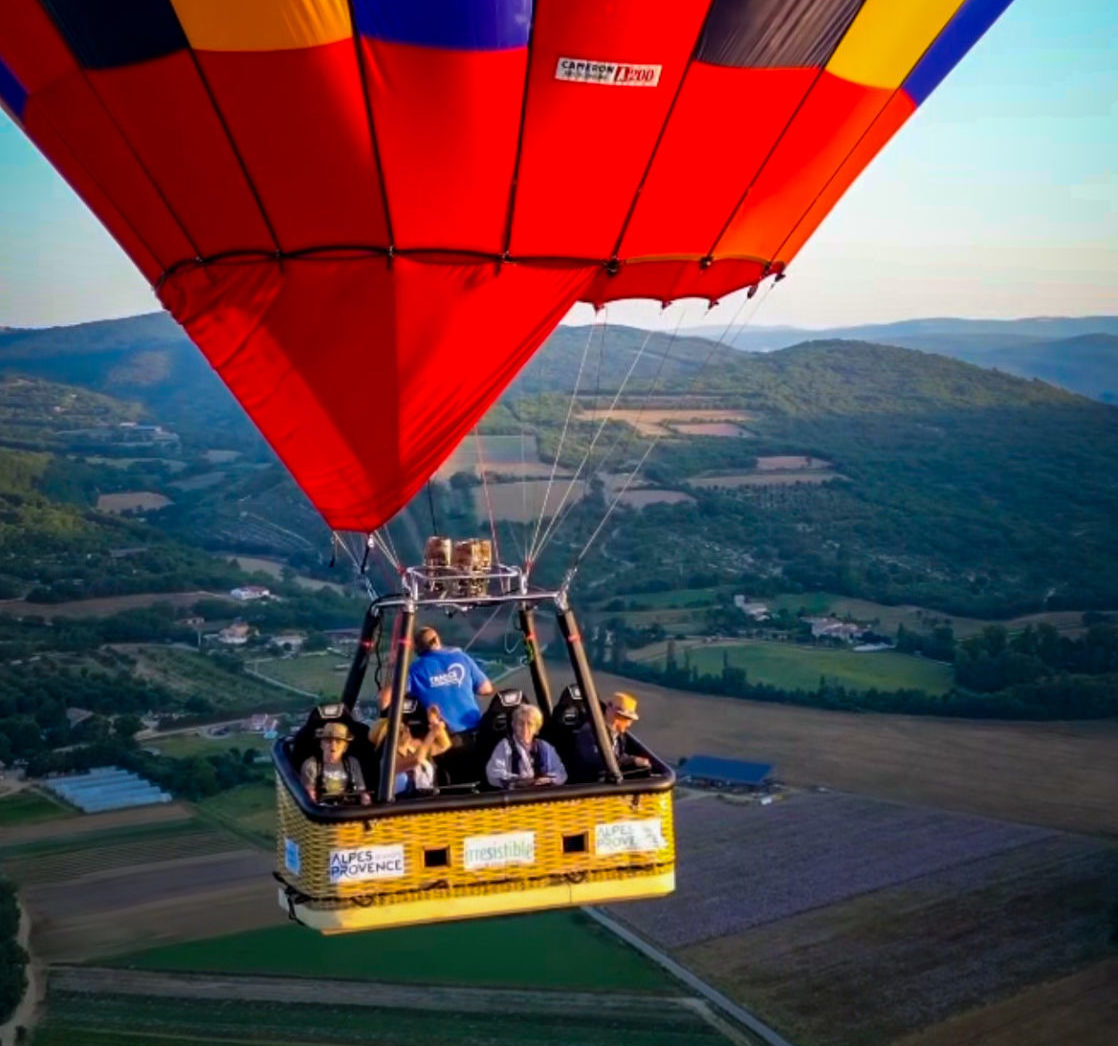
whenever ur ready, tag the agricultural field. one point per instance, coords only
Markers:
(790, 462)
(734, 480)
(65, 858)
(103, 606)
(29, 806)
(184, 744)
(132, 501)
(659, 422)
(521, 501)
(274, 568)
(649, 496)
(795, 666)
(869, 922)
(568, 950)
(508, 455)
(1081, 1008)
(188, 672)
(202, 481)
(497, 1020)
(249, 810)
(1063, 775)
(322, 674)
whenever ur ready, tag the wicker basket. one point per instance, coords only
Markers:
(420, 866)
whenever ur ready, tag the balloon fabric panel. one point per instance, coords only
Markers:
(362, 414)
(671, 218)
(454, 25)
(774, 34)
(164, 111)
(447, 125)
(299, 122)
(104, 34)
(897, 110)
(13, 95)
(263, 25)
(587, 144)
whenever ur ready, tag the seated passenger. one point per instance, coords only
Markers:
(522, 758)
(415, 770)
(332, 777)
(620, 713)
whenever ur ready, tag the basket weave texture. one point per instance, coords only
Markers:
(429, 850)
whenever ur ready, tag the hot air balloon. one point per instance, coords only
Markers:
(393, 202)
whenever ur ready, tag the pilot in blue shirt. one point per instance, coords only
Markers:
(449, 678)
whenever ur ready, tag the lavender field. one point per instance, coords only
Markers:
(743, 866)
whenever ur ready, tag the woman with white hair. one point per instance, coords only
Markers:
(522, 758)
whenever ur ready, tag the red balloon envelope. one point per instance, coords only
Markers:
(368, 214)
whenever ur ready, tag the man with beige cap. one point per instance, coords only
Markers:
(620, 713)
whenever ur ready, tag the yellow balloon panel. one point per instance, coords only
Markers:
(262, 25)
(887, 39)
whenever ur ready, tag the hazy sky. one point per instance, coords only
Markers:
(998, 198)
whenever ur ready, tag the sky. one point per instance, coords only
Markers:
(998, 198)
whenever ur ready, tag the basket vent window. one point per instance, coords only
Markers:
(574, 844)
(439, 858)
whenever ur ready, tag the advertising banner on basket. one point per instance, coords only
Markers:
(496, 851)
(620, 837)
(367, 862)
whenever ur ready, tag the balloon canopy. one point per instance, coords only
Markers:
(368, 214)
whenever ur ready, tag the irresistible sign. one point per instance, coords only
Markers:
(366, 863)
(497, 851)
(613, 74)
(621, 837)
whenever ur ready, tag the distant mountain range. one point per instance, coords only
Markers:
(1078, 353)
(148, 358)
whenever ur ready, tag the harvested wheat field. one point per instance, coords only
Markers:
(1064, 775)
(659, 422)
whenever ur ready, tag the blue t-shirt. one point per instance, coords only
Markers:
(449, 678)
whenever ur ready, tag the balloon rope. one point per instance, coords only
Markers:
(656, 439)
(594, 442)
(483, 626)
(624, 435)
(530, 559)
(485, 491)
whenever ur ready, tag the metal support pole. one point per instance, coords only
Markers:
(526, 619)
(577, 653)
(386, 790)
(360, 662)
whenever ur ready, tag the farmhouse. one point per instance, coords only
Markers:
(235, 634)
(709, 771)
(290, 642)
(247, 593)
(833, 628)
(757, 611)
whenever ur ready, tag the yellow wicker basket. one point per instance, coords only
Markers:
(479, 855)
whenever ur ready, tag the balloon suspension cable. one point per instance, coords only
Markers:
(375, 540)
(757, 302)
(625, 436)
(339, 542)
(530, 558)
(485, 491)
(396, 561)
(333, 548)
(431, 507)
(483, 626)
(550, 530)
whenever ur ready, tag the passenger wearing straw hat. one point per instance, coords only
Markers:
(332, 777)
(620, 713)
